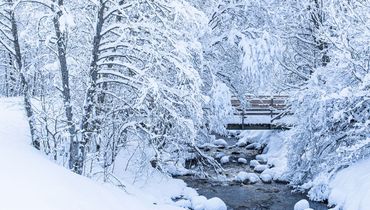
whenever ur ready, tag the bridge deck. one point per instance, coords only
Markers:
(264, 126)
(262, 113)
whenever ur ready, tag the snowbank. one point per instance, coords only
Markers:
(350, 188)
(275, 152)
(29, 181)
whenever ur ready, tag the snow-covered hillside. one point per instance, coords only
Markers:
(29, 181)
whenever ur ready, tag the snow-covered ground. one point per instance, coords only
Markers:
(28, 180)
(350, 188)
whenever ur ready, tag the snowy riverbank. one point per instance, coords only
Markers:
(348, 190)
(30, 181)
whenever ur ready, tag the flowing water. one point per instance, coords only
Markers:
(238, 196)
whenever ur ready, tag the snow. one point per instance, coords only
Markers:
(253, 163)
(219, 155)
(225, 159)
(242, 160)
(250, 178)
(220, 143)
(242, 142)
(266, 178)
(220, 107)
(241, 176)
(214, 204)
(262, 158)
(275, 152)
(350, 188)
(66, 22)
(254, 146)
(198, 202)
(30, 181)
(183, 203)
(302, 205)
(260, 168)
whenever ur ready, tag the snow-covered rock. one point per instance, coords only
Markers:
(233, 133)
(198, 202)
(260, 168)
(254, 146)
(241, 176)
(215, 204)
(262, 158)
(242, 160)
(254, 163)
(220, 143)
(242, 142)
(177, 170)
(183, 203)
(266, 178)
(219, 155)
(302, 205)
(189, 193)
(206, 146)
(253, 178)
(249, 178)
(225, 159)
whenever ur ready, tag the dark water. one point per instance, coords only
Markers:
(259, 196)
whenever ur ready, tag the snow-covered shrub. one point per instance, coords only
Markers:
(220, 108)
(332, 129)
(332, 107)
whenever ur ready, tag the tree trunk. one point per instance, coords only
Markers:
(88, 124)
(75, 158)
(317, 17)
(24, 83)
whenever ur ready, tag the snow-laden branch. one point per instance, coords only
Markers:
(7, 47)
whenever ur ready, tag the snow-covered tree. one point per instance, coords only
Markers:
(9, 40)
(332, 109)
(142, 77)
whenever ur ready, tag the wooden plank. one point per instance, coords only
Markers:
(273, 106)
(256, 114)
(264, 126)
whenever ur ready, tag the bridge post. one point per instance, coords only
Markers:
(243, 114)
(272, 109)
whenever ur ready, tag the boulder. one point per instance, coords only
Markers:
(302, 205)
(242, 161)
(260, 168)
(220, 143)
(253, 163)
(266, 178)
(215, 204)
(225, 159)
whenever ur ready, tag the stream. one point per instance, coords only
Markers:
(244, 196)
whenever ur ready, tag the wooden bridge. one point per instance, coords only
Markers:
(260, 113)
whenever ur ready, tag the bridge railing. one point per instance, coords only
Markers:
(274, 107)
